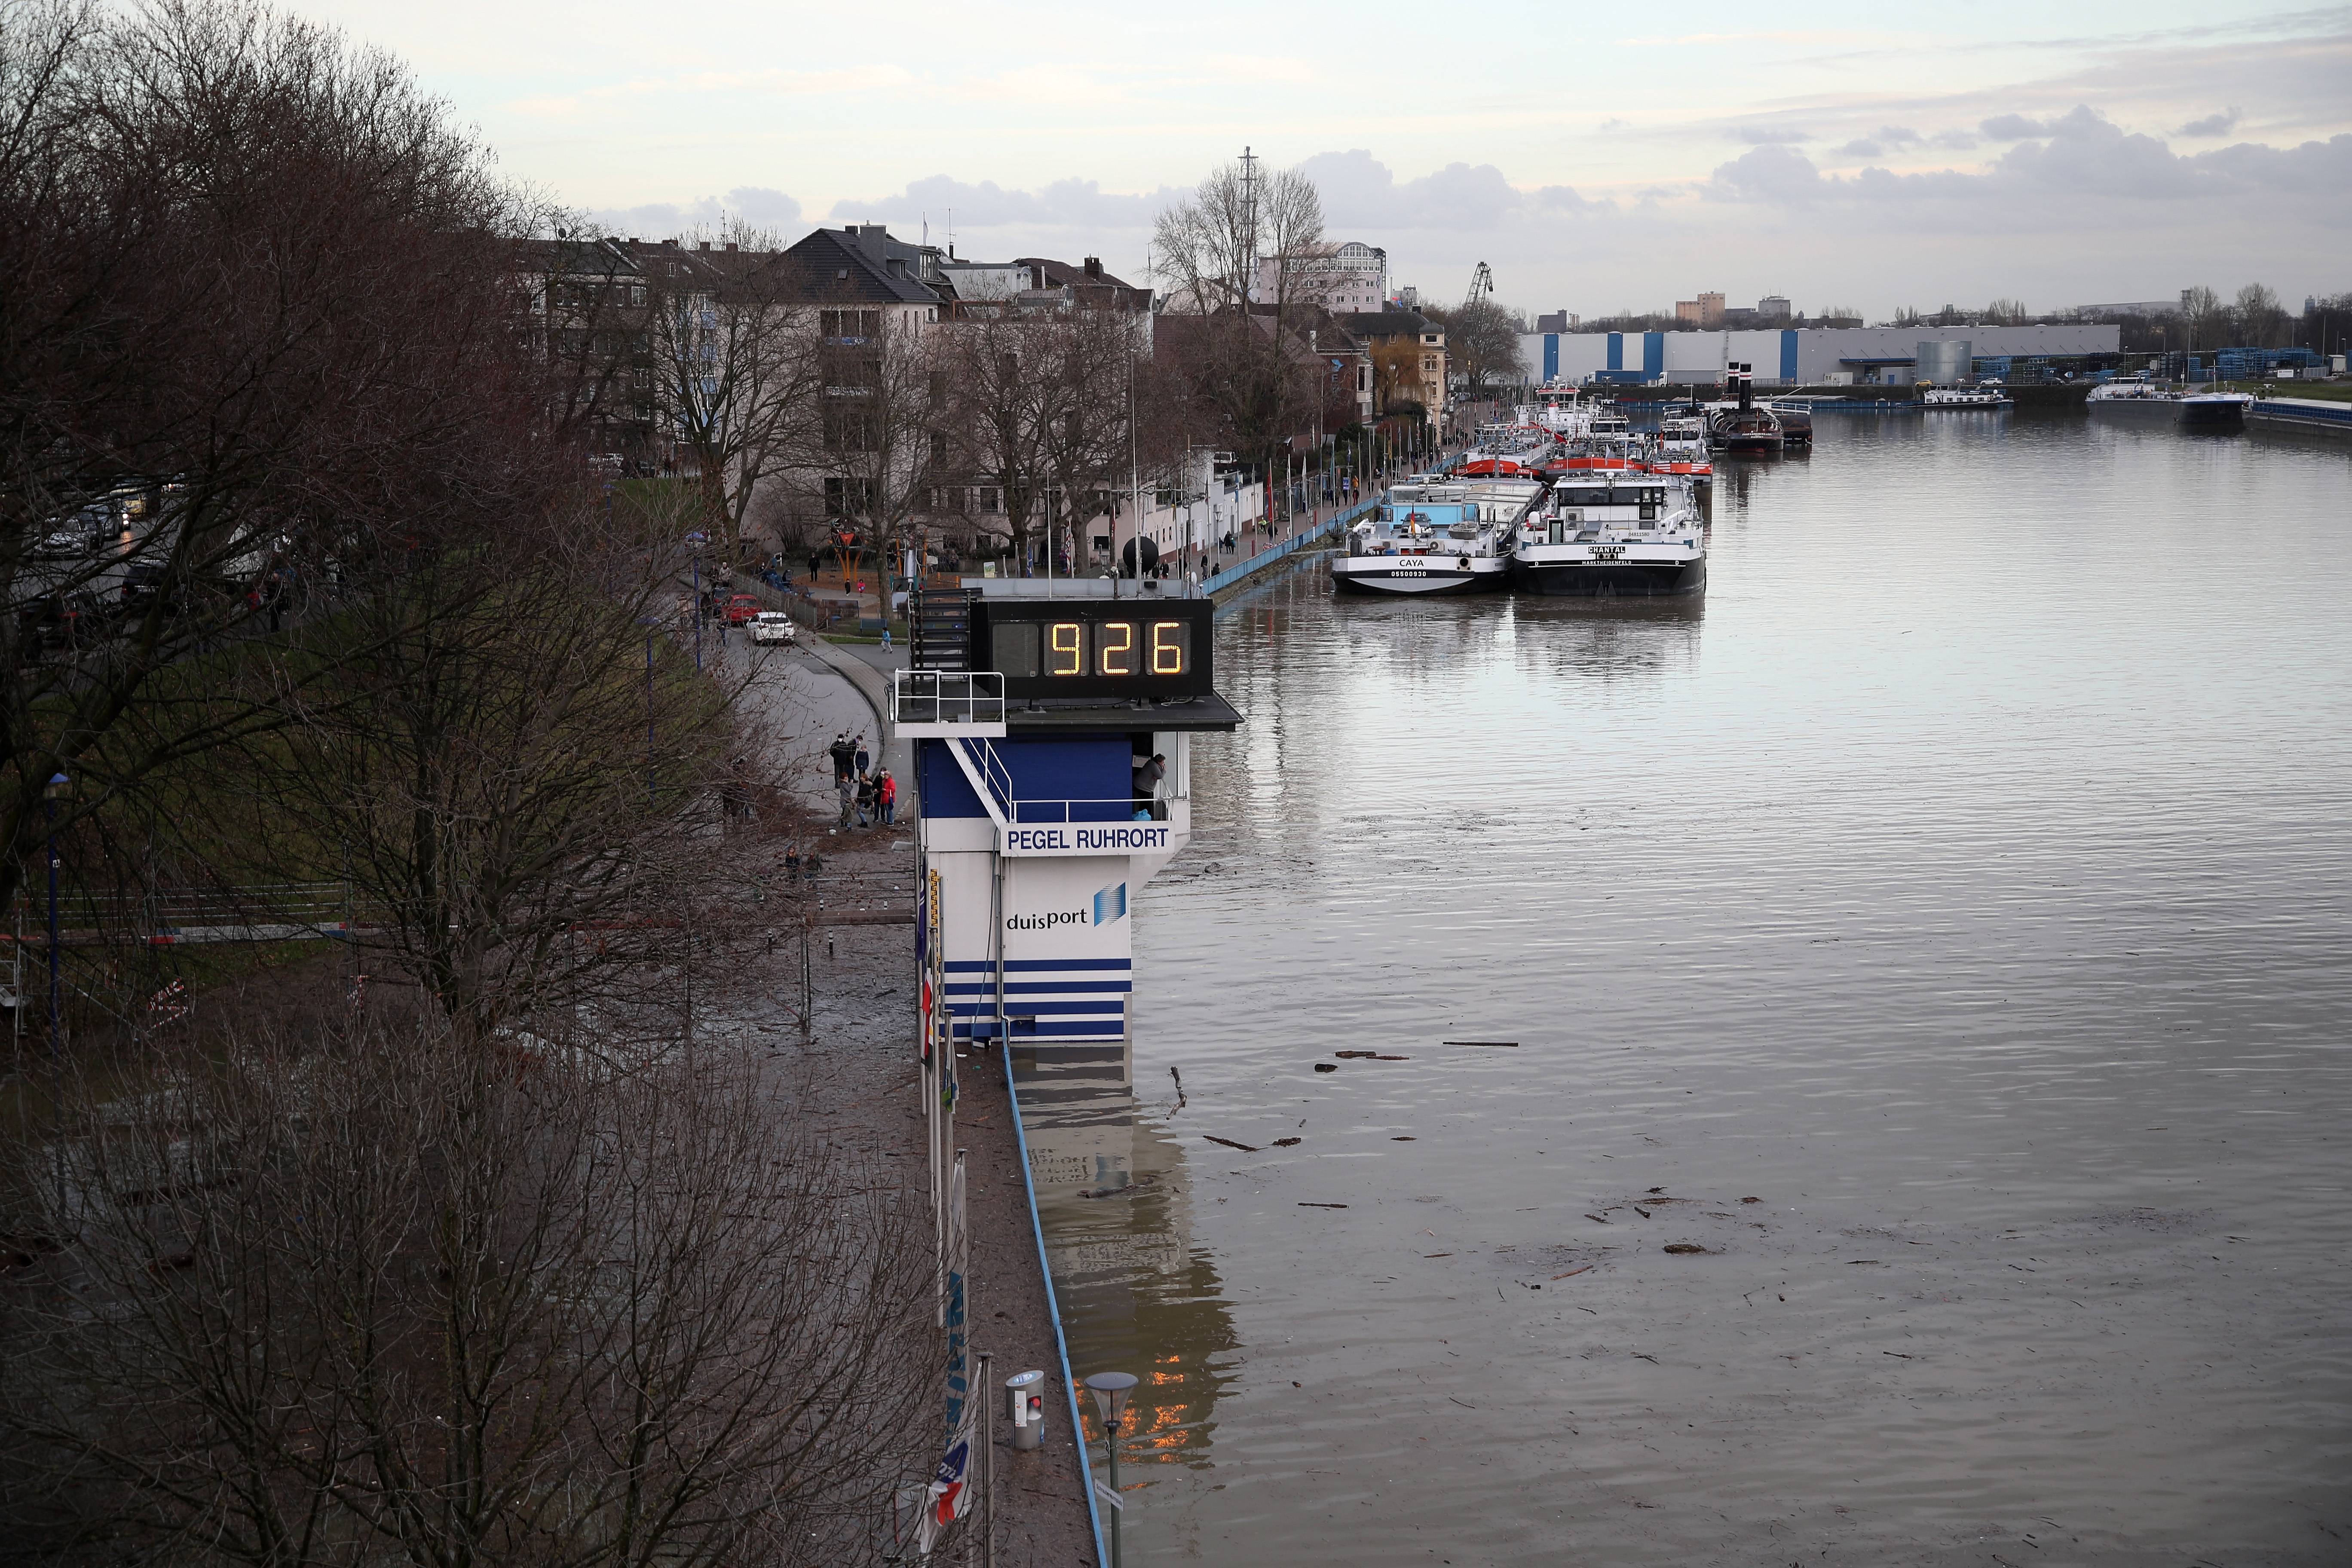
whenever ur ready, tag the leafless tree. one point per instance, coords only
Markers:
(518, 783)
(998, 407)
(736, 368)
(243, 376)
(873, 439)
(391, 1299)
(1038, 407)
(1242, 363)
(1482, 342)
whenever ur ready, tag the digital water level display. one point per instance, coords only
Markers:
(1109, 649)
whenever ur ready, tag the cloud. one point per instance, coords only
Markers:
(1864, 147)
(1959, 141)
(1898, 135)
(1771, 136)
(2216, 124)
(1360, 191)
(1065, 204)
(2067, 160)
(1768, 174)
(667, 220)
(2012, 128)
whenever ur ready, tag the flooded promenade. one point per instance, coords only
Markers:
(1936, 934)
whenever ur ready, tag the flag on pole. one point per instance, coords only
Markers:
(950, 1497)
(951, 1490)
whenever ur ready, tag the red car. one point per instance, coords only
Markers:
(740, 608)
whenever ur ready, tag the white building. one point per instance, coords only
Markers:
(1186, 518)
(1340, 278)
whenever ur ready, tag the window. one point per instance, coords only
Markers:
(847, 498)
(849, 425)
(636, 293)
(854, 326)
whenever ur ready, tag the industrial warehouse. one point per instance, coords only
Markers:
(1818, 356)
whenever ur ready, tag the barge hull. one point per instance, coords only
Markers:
(1411, 584)
(1613, 579)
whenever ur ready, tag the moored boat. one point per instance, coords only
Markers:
(1448, 537)
(2156, 402)
(1604, 534)
(1738, 424)
(1984, 395)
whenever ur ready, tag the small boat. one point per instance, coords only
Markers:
(1796, 417)
(1740, 424)
(1612, 534)
(1453, 536)
(2145, 398)
(1680, 445)
(1984, 395)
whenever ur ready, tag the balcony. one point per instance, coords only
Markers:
(947, 704)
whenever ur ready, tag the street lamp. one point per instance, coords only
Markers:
(1110, 1390)
(58, 786)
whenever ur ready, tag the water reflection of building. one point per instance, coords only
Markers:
(1137, 1296)
(1607, 639)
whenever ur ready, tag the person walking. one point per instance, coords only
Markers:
(886, 796)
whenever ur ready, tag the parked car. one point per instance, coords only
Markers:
(739, 608)
(771, 626)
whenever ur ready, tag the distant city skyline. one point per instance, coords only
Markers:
(1599, 164)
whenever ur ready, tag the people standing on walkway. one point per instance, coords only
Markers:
(843, 754)
(863, 758)
(867, 810)
(886, 796)
(847, 792)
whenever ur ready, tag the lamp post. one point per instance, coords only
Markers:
(1110, 1390)
(58, 786)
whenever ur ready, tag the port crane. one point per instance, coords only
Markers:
(1482, 286)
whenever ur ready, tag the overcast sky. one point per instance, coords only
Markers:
(1599, 158)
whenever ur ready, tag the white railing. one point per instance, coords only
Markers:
(947, 702)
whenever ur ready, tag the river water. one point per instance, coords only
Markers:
(1944, 925)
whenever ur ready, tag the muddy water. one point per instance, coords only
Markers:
(1944, 927)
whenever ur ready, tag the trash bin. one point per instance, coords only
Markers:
(1024, 1407)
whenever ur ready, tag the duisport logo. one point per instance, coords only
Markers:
(1111, 904)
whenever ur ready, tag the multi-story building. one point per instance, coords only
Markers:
(1411, 349)
(1341, 277)
(1706, 312)
(586, 303)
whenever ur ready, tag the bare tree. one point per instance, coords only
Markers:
(2204, 316)
(1482, 342)
(736, 368)
(1091, 368)
(391, 1299)
(515, 787)
(998, 407)
(241, 376)
(872, 435)
(2261, 321)
(1239, 360)
(1038, 406)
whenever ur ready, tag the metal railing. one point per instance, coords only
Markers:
(1128, 808)
(959, 697)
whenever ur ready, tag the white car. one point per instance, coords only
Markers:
(771, 626)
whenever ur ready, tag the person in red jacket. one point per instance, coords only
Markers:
(886, 794)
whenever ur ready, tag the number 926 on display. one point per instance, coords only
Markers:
(1122, 648)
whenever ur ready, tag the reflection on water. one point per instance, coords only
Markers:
(1966, 879)
(1137, 1295)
